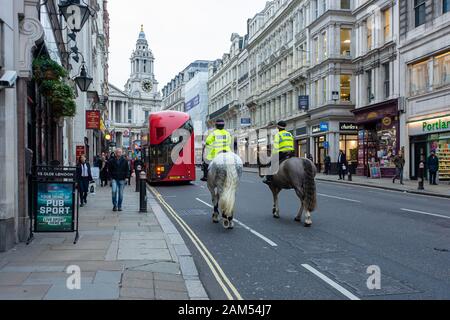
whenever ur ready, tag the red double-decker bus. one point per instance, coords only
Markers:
(169, 150)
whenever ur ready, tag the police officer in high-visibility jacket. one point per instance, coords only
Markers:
(283, 147)
(219, 141)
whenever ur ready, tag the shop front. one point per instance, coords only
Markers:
(348, 142)
(301, 142)
(321, 144)
(427, 134)
(378, 137)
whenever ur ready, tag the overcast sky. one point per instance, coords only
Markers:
(178, 31)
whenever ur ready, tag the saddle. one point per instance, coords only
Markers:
(283, 158)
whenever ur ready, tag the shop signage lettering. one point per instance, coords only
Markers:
(429, 126)
(55, 207)
(323, 127)
(345, 126)
(436, 126)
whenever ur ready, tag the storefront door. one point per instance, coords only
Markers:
(320, 152)
(420, 152)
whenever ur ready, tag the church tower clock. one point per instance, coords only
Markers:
(142, 82)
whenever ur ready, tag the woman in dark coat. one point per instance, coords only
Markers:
(84, 176)
(104, 172)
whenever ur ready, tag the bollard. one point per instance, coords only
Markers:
(421, 175)
(143, 192)
(350, 168)
(138, 172)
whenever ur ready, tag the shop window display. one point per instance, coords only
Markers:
(377, 144)
(441, 145)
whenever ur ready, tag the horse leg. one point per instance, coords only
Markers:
(276, 209)
(215, 202)
(308, 221)
(299, 193)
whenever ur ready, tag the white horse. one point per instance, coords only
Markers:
(225, 172)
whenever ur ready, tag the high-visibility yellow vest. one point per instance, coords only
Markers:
(218, 141)
(284, 142)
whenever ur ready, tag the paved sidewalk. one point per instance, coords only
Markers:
(122, 256)
(442, 190)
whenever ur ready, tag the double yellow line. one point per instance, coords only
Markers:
(225, 283)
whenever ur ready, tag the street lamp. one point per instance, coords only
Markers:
(83, 81)
(75, 14)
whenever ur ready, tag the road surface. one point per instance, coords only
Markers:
(364, 244)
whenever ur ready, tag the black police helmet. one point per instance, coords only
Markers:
(282, 125)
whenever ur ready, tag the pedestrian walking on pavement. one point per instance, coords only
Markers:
(433, 167)
(118, 169)
(84, 176)
(327, 165)
(127, 158)
(399, 162)
(342, 165)
(104, 172)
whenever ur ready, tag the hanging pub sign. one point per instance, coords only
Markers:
(80, 150)
(93, 118)
(54, 201)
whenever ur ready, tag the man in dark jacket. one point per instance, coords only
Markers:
(84, 176)
(342, 164)
(327, 165)
(399, 162)
(118, 170)
(433, 167)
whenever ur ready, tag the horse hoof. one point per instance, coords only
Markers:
(308, 225)
(276, 216)
(215, 218)
(298, 220)
(226, 224)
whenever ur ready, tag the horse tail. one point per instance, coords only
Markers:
(310, 194)
(228, 197)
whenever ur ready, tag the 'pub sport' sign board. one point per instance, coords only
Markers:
(55, 203)
(55, 200)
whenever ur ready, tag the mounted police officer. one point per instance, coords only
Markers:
(283, 147)
(218, 141)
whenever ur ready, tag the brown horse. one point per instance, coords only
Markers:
(298, 174)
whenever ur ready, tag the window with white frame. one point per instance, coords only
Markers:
(316, 50)
(346, 41)
(387, 24)
(316, 92)
(370, 87)
(345, 86)
(324, 90)
(345, 4)
(387, 79)
(2, 46)
(441, 70)
(324, 45)
(419, 78)
(369, 31)
(419, 12)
